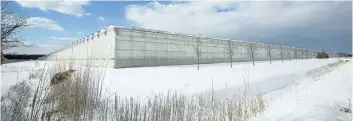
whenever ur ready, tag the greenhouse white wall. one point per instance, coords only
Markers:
(122, 47)
(96, 49)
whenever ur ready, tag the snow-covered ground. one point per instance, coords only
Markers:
(263, 76)
(147, 80)
(313, 99)
(14, 72)
(307, 100)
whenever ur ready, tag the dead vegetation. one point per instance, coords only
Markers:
(71, 99)
(35, 74)
(15, 101)
(177, 106)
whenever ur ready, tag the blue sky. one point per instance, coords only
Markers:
(315, 25)
(74, 27)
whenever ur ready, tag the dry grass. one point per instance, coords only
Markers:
(35, 74)
(178, 106)
(73, 99)
(15, 101)
(77, 97)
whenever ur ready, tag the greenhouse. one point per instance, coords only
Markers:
(122, 47)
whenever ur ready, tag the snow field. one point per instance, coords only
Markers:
(313, 99)
(287, 86)
(144, 81)
(265, 77)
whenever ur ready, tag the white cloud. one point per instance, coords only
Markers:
(44, 23)
(65, 7)
(101, 18)
(88, 14)
(63, 38)
(230, 19)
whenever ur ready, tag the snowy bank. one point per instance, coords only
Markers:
(314, 99)
(147, 80)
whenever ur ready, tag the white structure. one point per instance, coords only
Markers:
(121, 47)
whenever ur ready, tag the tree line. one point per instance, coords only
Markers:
(22, 56)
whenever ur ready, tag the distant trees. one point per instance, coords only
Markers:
(22, 56)
(230, 48)
(343, 55)
(346, 55)
(268, 48)
(252, 51)
(198, 51)
(322, 55)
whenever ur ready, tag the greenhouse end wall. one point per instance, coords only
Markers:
(95, 50)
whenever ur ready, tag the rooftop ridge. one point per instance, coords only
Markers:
(114, 27)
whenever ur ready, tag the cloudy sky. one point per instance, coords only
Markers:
(315, 25)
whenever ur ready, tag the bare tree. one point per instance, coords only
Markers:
(252, 51)
(11, 23)
(198, 51)
(281, 53)
(313, 54)
(302, 52)
(296, 55)
(230, 48)
(289, 55)
(306, 53)
(338, 55)
(268, 48)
